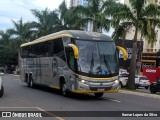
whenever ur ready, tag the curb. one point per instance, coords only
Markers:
(140, 94)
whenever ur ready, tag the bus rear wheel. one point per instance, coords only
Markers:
(98, 94)
(30, 83)
(1, 91)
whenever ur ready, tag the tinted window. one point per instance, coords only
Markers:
(44, 49)
(24, 52)
(31, 51)
(59, 48)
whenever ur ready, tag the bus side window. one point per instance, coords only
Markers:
(59, 48)
(50, 48)
(24, 52)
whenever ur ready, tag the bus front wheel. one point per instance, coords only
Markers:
(98, 94)
(64, 89)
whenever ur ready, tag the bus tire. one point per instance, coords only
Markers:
(30, 82)
(98, 95)
(1, 91)
(63, 87)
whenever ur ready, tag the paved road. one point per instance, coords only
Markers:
(142, 89)
(19, 97)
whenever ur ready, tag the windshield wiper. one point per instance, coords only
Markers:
(92, 64)
(107, 65)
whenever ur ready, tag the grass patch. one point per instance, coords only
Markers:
(158, 93)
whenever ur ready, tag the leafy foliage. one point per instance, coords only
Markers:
(142, 17)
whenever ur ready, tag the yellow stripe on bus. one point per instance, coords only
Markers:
(43, 39)
(55, 87)
(91, 91)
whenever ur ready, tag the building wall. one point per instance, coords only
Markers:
(74, 3)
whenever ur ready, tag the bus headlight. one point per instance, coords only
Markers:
(84, 81)
(116, 81)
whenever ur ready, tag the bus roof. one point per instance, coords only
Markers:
(71, 33)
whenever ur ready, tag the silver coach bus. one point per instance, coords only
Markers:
(72, 61)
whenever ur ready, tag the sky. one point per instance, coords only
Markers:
(15, 9)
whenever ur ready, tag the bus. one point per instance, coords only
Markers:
(71, 61)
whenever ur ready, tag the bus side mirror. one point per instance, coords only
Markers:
(124, 52)
(70, 57)
(75, 50)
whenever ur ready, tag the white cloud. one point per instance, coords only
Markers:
(15, 9)
(51, 4)
(122, 1)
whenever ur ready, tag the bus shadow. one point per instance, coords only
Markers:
(75, 96)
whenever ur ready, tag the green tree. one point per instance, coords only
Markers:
(121, 31)
(144, 19)
(68, 18)
(5, 37)
(22, 31)
(47, 21)
(94, 14)
(8, 49)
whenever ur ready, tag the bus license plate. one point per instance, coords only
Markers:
(101, 89)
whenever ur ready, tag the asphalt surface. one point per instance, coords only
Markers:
(18, 97)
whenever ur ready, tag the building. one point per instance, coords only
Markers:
(74, 3)
(147, 47)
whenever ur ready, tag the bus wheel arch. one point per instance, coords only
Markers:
(63, 86)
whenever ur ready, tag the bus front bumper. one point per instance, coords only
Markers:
(97, 87)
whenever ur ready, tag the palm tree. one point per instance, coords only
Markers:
(68, 18)
(121, 31)
(47, 20)
(143, 18)
(5, 37)
(94, 14)
(8, 48)
(22, 31)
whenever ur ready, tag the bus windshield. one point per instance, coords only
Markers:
(97, 58)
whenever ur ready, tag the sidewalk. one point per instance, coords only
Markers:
(140, 93)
